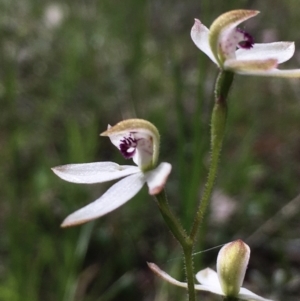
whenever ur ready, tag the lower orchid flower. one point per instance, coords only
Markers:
(135, 138)
(232, 263)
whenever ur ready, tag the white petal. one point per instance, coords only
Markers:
(281, 51)
(96, 172)
(248, 295)
(289, 73)
(162, 274)
(209, 278)
(156, 178)
(165, 275)
(114, 197)
(199, 35)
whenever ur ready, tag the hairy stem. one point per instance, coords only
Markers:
(170, 219)
(184, 240)
(218, 122)
(189, 270)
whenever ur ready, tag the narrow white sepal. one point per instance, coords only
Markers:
(281, 51)
(114, 197)
(157, 178)
(250, 65)
(162, 274)
(286, 73)
(90, 173)
(245, 294)
(200, 36)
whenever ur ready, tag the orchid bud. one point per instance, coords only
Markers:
(232, 263)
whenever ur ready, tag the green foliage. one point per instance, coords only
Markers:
(62, 83)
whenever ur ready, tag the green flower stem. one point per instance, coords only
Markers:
(189, 271)
(184, 240)
(170, 219)
(218, 122)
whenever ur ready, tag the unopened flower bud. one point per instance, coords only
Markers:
(231, 266)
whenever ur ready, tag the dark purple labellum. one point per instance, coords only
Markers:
(248, 39)
(128, 146)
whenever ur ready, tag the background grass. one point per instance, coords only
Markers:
(68, 68)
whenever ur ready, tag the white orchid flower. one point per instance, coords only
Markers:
(233, 49)
(135, 138)
(232, 263)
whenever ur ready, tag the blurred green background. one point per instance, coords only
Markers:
(68, 68)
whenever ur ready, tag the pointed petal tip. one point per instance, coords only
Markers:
(256, 12)
(56, 170)
(152, 265)
(197, 26)
(154, 268)
(247, 14)
(105, 133)
(67, 223)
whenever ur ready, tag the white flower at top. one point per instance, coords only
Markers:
(135, 138)
(233, 49)
(232, 263)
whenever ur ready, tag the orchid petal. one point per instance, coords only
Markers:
(114, 197)
(209, 277)
(222, 28)
(281, 51)
(157, 178)
(162, 274)
(199, 35)
(245, 294)
(97, 172)
(251, 66)
(288, 73)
